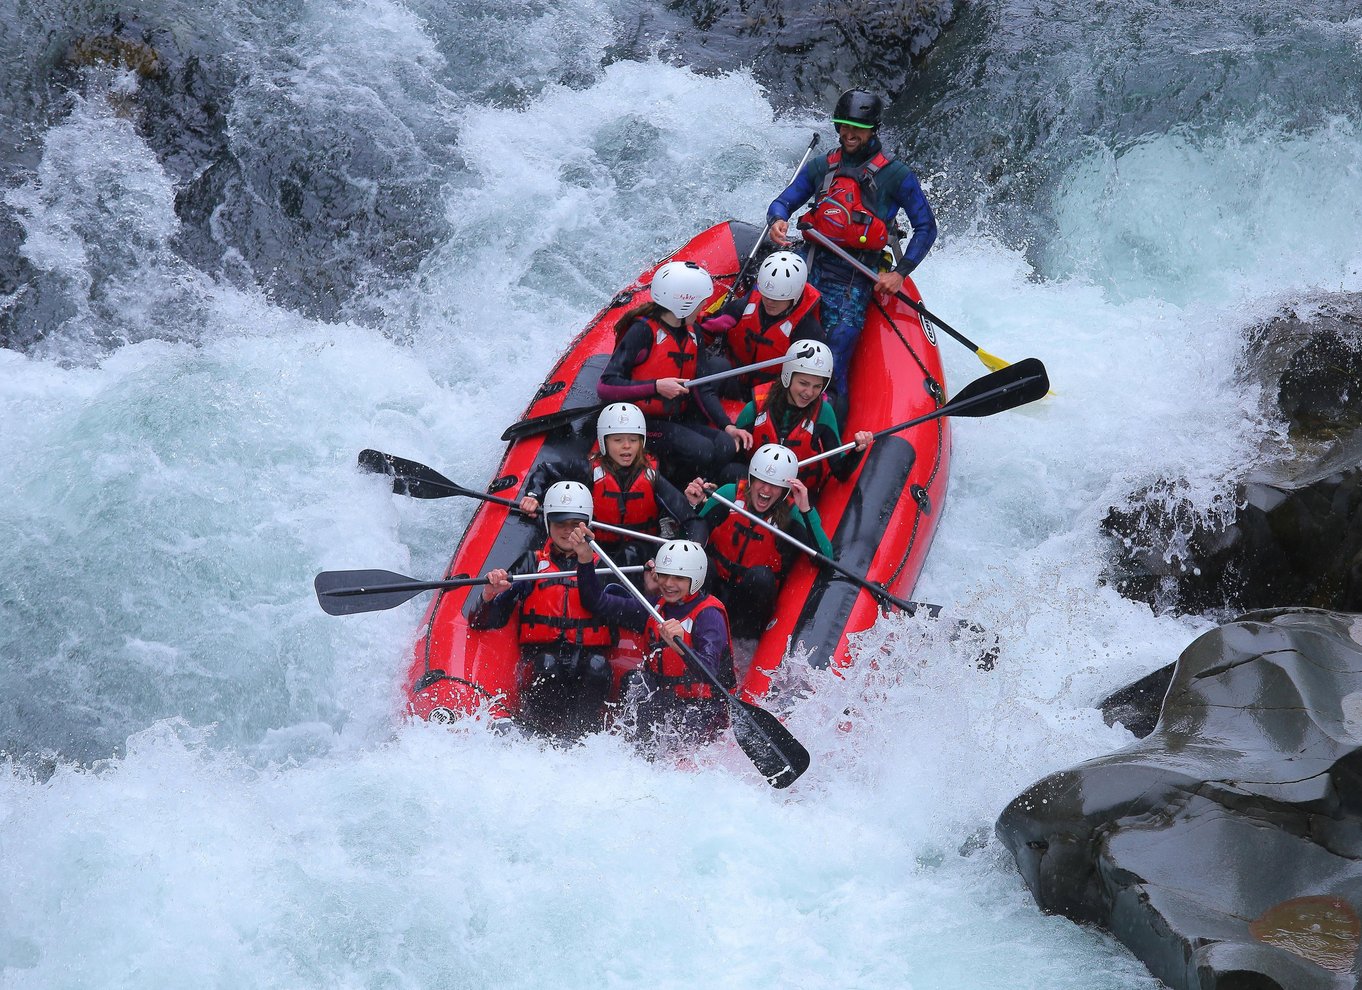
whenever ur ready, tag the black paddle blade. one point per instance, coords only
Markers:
(773, 750)
(409, 477)
(550, 421)
(348, 592)
(1013, 386)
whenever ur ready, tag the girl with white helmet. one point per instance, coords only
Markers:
(762, 324)
(667, 692)
(747, 561)
(656, 352)
(564, 675)
(794, 413)
(626, 488)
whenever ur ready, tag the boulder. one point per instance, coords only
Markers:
(1224, 848)
(1285, 533)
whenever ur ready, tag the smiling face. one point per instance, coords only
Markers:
(560, 530)
(672, 588)
(624, 448)
(853, 139)
(763, 495)
(805, 388)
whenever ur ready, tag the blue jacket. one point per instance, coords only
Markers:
(898, 189)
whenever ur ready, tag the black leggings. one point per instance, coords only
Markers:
(750, 599)
(563, 689)
(688, 449)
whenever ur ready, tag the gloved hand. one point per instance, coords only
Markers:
(717, 326)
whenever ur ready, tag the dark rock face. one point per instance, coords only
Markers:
(1224, 847)
(1290, 534)
(806, 51)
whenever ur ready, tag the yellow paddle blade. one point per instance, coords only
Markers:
(991, 361)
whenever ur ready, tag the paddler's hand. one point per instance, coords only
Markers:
(580, 542)
(670, 388)
(888, 283)
(530, 506)
(671, 630)
(650, 585)
(800, 492)
(780, 231)
(741, 437)
(498, 580)
(698, 491)
(863, 438)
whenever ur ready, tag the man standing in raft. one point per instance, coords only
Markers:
(671, 696)
(564, 674)
(857, 191)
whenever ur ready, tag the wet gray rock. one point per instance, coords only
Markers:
(1223, 848)
(803, 52)
(1287, 533)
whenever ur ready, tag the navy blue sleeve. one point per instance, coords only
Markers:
(618, 609)
(913, 201)
(671, 502)
(709, 640)
(796, 194)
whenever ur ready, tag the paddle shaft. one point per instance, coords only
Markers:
(875, 589)
(719, 376)
(418, 586)
(742, 272)
(870, 273)
(431, 478)
(1013, 380)
(772, 748)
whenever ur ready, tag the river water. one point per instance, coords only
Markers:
(414, 207)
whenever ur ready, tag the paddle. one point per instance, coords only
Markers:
(352, 592)
(1015, 385)
(878, 590)
(742, 272)
(772, 748)
(991, 361)
(419, 481)
(563, 417)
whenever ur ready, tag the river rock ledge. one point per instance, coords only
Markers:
(1225, 847)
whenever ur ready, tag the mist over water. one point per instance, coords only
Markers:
(385, 223)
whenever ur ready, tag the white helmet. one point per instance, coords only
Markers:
(774, 464)
(682, 558)
(782, 276)
(811, 357)
(567, 501)
(620, 417)
(681, 287)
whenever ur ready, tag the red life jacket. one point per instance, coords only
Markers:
(840, 211)
(668, 668)
(738, 543)
(801, 439)
(633, 508)
(553, 612)
(750, 342)
(666, 360)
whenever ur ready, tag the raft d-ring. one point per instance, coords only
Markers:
(923, 500)
(935, 390)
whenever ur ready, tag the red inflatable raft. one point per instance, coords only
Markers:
(881, 520)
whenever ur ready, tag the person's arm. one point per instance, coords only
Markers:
(494, 613)
(709, 638)
(809, 327)
(617, 610)
(827, 436)
(672, 503)
(617, 382)
(913, 201)
(747, 418)
(808, 530)
(548, 473)
(796, 194)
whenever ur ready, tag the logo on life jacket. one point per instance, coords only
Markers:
(840, 211)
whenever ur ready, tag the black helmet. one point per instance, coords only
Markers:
(858, 108)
